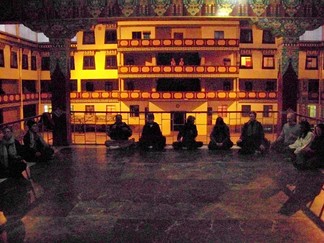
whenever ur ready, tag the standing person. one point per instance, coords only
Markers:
(173, 62)
(220, 136)
(187, 136)
(37, 150)
(119, 132)
(151, 137)
(311, 156)
(181, 62)
(289, 133)
(12, 163)
(252, 138)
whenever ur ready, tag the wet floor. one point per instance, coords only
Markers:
(91, 194)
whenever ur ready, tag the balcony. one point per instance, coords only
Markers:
(10, 99)
(172, 71)
(176, 44)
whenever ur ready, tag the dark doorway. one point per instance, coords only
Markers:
(178, 119)
(29, 111)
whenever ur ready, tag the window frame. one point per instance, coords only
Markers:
(246, 109)
(89, 62)
(244, 66)
(308, 62)
(45, 66)
(88, 37)
(24, 62)
(112, 61)
(134, 110)
(264, 62)
(136, 35)
(219, 35)
(13, 59)
(243, 36)
(33, 62)
(2, 59)
(267, 110)
(110, 36)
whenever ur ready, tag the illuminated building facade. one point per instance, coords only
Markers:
(179, 58)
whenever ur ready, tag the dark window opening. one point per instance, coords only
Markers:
(89, 86)
(246, 36)
(13, 60)
(45, 63)
(136, 35)
(24, 61)
(134, 110)
(33, 63)
(111, 62)
(88, 37)
(29, 86)
(110, 36)
(46, 86)
(72, 64)
(178, 85)
(2, 64)
(267, 37)
(246, 110)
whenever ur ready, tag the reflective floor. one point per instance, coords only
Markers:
(92, 194)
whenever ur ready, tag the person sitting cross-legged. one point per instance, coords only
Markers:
(37, 150)
(220, 136)
(119, 132)
(151, 137)
(187, 136)
(252, 138)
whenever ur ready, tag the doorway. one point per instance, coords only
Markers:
(178, 119)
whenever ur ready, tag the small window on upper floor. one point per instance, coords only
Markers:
(72, 64)
(147, 35)
(33, 63)
(178, 35)
(246, 110)
(218, 35)
(111, 62)
(13, 60)
(268, 62)
(73, 85)
(246, 36)
(268, 38)
(110, 36)
(267, 110)
(311, 62)
(45, 63)
(89, 62)
(24, 61)
(136, 35)
(88, 37)
(246, 61)
(270, 86)
(2, 64)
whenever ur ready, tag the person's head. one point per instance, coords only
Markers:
(305, 127)
(7, 132)
(119, 118)
(32, 125)
(319, 130)
(291, 118)
(191, 119)
(252, 115)
(219, 121)
(150, 118)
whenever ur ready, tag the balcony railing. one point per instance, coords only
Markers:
(176, 43)
(178, 70)
(13, 98)
(144, 95)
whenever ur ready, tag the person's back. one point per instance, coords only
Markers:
(220, 136)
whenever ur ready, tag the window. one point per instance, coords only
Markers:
(13, 60)
(24, 61)
(88, 37)
(89, 62)
(178, 35)
(110, 115)
(248, 86)
(72, 64)
(33, 63)
(267, 110)
(2, 64)
(313, 86)
(246, 110)
(226, 85)
(130, 85)
(222, 110)
(46, 86)
(45, 63)
(268, 62)
(218, 35)
(136, 35)
(311, 109)
(89, 86)
(134, 110)
(246, 61)
(111, 62)
(73, 85)
(110, 36)
(108, 86)
(246, 36)
(267, 37)
(147, 35)
(311, 62)
(89, 109)
(270, 86)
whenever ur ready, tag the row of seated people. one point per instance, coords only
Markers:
(15, 155)
(296, 140)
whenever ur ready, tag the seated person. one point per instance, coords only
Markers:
(289, 133)
(37, 150)
(119, 132)
(252, 138)
(305, 138)
(220, 136)
(312, 155)
(12, 163)
(187, 136)
(151, 137)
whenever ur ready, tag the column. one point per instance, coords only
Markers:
(60, 79)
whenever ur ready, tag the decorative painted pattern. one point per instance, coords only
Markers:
(193, 6)
(160, 6)
(127, 6)
(259, 6)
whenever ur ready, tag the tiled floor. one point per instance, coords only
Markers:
(91, 194)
